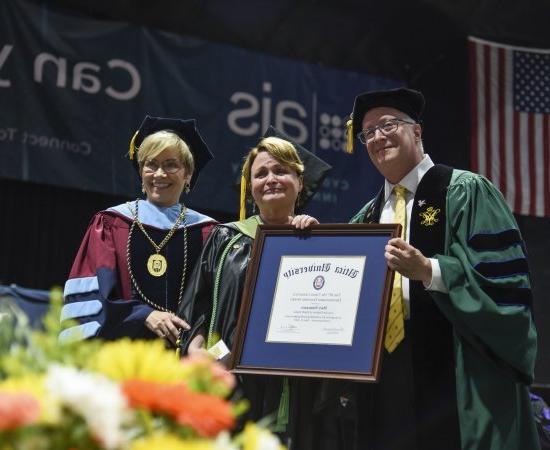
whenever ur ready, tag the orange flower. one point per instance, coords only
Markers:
(17, 410)
(144, 394)
(206, 414)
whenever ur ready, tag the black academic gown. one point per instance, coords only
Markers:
(218, 317)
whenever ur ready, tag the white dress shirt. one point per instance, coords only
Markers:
(410, 182)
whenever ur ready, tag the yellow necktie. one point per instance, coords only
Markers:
(395, 330)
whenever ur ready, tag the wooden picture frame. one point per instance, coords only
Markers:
(315, 302)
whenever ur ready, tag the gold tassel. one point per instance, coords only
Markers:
(242, 211)
(349, 143)
(133, 145)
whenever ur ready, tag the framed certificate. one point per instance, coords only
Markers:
(315, 303)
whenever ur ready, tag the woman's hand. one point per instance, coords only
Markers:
(197, 345)
(303, 221)
(166, 325)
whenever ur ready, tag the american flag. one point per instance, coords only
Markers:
(510, 101)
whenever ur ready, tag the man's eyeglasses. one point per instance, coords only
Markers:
(387, 128)
(169, 166)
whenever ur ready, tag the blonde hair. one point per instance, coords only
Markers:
(154, 144)
(283, 151)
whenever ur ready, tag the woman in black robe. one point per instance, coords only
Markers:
(275, 176)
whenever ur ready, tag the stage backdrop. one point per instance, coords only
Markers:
(73, 91)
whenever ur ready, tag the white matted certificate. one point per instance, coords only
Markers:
(316, 300)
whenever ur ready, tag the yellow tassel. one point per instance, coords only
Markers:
(349, 143)
(242, 211)
(133, 145)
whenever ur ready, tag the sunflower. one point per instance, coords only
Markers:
(126, 359)
(171, 442)
(257, 438)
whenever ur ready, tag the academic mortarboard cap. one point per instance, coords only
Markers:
(315, 169)
(409, 101)
(185, 129)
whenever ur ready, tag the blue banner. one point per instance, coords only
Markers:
(74, 90)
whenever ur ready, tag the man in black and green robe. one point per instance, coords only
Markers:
(459, 379)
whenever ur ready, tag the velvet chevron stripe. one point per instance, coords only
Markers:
(495, 241)
(507, 295)
(501, 269)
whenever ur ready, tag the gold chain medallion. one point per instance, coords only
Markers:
(156, 265)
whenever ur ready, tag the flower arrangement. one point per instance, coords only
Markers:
(119, 395)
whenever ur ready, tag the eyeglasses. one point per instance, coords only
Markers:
(387, 128)
(169, 166)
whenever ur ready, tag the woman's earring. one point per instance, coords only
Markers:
(187, 189)
(143, 189)
(253, 208)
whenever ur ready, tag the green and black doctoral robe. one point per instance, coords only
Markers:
(468, 355)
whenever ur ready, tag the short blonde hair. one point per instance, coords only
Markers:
(282, 150)
(154, 144)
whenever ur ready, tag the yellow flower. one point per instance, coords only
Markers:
(138, 360)
(50, 408)
(171, 442)
(256, 438)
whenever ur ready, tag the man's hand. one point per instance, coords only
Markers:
(166, 325)
(408, 261)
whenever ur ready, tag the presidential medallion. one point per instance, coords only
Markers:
(156, 265)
